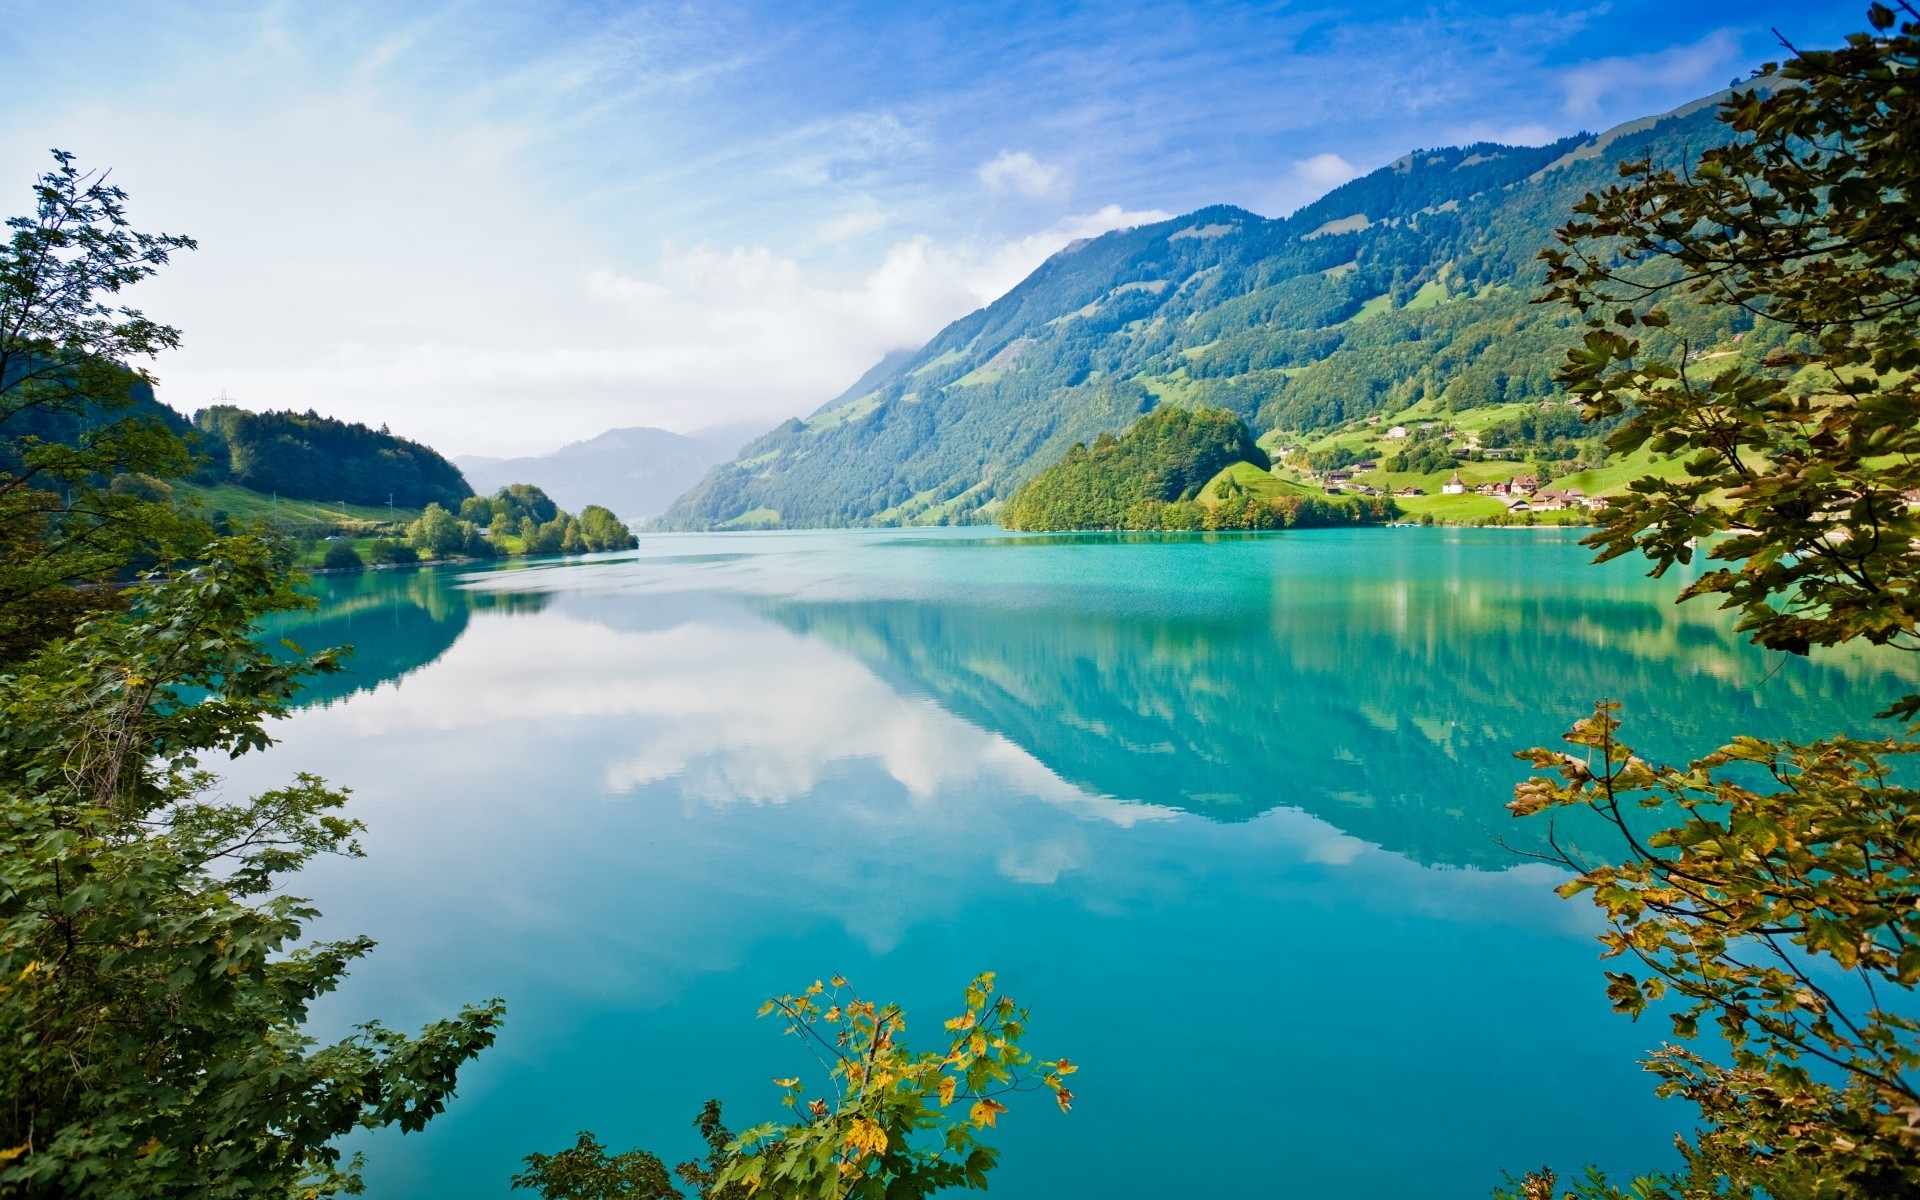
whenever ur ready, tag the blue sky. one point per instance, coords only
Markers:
(502, 226)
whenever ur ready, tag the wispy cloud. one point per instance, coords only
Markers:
(1022, 174)
(1701, 66)
(500, 224)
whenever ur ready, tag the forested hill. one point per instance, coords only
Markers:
(310, 457)
(1412, 282)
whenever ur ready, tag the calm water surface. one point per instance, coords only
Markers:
(1226, 813)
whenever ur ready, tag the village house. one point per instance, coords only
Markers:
(1526, 484)
(1398, 431)
(1455, 486)
(1557, 499)
(1410, 491)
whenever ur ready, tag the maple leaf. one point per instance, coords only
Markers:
(986, 1112)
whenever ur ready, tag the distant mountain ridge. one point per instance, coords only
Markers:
(636, 471)
(1411, 282)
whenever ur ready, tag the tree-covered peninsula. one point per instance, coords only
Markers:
(1177, 468)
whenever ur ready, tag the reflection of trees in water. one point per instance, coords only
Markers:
(1390, 708)
(396, 622)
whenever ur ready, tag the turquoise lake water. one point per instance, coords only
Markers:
(1226, 813)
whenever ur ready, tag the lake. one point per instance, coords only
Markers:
(1225, 812)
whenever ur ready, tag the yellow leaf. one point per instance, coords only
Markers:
(153, 1146)
(1064, 1099)
(978, 1045)
(788, 1083)
(14, 1152)
(986, 1112)
(948, 1085)
(963, 1021)
(866, 1136)
(1065, 1067)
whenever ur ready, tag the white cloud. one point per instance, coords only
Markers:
(1324, 170)
(1021, 174)
(1309, 179)
(1683, 68)
(391, 272)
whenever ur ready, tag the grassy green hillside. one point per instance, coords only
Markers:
(1259, 483)
(1404, 295)
(244, 506)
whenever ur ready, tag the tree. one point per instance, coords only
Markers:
(1769, 890)
(546, 538)
(600, 529)
(435, 533)
(153, 980)
(71, 416)
(888, 1129)
(341, 556)
(524, 499)
(386, 550)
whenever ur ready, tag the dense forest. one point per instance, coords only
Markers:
(1161, 474)
(1411, 284)
(1166, 456)
(306, 456)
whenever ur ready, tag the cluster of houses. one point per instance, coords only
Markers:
(1523, 493)
(1520, 494)
(1342, 479)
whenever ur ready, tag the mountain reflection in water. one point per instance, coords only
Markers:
(1226, 811)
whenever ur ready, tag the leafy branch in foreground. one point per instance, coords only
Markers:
(153, 982)
(69, 421)
(888, 1128)
(1806, 458)
(1784, 908)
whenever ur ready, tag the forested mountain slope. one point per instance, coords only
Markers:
(308, 456)
(1412, 282)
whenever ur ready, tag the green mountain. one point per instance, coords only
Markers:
(1409, 285)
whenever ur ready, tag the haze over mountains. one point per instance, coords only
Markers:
(636, 471)
(1411, 283)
